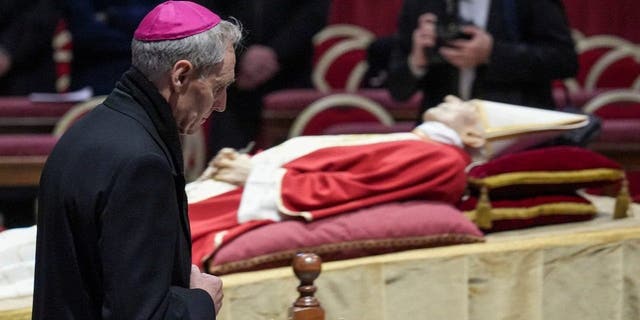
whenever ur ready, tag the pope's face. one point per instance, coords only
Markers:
(204, 95)
(458, 115)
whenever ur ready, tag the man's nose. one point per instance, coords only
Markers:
(221, 104)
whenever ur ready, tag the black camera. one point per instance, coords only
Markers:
(448, 28)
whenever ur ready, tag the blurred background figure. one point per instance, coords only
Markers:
(26, 32)
(101, 32)
(500, 50)
(276, 53)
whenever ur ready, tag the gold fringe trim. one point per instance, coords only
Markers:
(566, 208)
(483, 210)
(623, 201)
(284, 257)
(548, 177)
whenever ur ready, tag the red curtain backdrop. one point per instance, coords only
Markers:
(377, 16)
(618, 17)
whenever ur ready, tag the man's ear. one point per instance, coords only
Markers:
(473, 138)
(181, 73)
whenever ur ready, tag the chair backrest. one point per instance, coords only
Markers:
(615, 104)
(606, 61)
(338, 108)
(340, 52)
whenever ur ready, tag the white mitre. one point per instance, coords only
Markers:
(509, 128)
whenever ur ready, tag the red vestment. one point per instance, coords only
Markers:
(333, 180)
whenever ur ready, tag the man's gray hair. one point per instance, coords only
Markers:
(204, 50)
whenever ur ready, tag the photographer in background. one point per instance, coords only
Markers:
(499, 50)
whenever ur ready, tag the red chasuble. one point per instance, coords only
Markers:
(333, 180)
(339, 179)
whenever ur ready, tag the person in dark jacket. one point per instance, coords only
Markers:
(276, 53)
(113, 236)
(501, 50)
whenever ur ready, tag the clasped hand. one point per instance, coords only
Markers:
(228, 166)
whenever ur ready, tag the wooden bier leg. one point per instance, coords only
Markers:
(307, 267)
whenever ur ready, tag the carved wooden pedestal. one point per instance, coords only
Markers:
(307, 267)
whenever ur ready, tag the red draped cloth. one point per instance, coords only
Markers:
(335, 180)
(339, 179)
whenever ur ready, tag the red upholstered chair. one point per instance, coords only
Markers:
(340, 57)
(620, 114)
(618, 68)
(23, 155)
(19, 114)
(282, 107)
(338, 108)
(339, 67)
(606, 62)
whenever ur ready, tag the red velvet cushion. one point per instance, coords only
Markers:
(544, 171)
(544, 159)
(376, 230)
(533, 211)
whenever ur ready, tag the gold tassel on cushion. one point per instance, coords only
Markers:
(623, 200)
(483, 210)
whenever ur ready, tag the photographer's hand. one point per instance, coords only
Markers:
(424, 36)
(469, 53)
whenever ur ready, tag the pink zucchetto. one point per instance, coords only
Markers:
(174, 20)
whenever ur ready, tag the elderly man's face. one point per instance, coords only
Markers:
(205, 95)
(458, 115)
